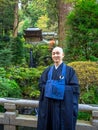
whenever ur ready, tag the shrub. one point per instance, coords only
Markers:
(87, 73)
(27, 79)
(88, 78)
(9, 88)
(91, 96)
(84, 116)
(2, 72)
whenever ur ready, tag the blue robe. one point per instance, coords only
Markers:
(59, 114)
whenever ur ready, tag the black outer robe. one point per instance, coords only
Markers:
(59, 114)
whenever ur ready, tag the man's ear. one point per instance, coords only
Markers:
(63, 55)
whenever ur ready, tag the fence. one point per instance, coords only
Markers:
(11, 118)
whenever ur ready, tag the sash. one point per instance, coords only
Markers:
(55, 88)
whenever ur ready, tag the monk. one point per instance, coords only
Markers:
(59, 94)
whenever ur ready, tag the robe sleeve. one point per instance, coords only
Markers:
(74, 84)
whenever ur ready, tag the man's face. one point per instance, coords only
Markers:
(57, 55)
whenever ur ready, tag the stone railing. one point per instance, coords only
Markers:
(11, 118)
(93, 123)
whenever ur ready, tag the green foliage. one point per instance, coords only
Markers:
(42, 22)
(6, 16)
(27, 79)
(82, 39)
(2, 72)
(87, 73)
(24, 24)
(5, 57)
(18, 50)
(84, 116)
(88, 78)
(52, 10)
(12, 51)
(9, 88)
(34, 10)
(41, 54)
(19, 81)
(91, 96)
(35, 94)
(5, 54)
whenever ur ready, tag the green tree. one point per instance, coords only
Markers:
(6, 16)
(5, 54)
(35, 9)
(18, 50)
(42, 22)
(82, 39)
(57, 13)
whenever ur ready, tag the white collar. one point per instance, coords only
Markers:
(58, 65)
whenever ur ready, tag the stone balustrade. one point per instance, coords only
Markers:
(11, 118)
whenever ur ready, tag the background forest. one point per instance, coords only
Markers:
(76, 24)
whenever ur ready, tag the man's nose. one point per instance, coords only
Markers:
(56, 54)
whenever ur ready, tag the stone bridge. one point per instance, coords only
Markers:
(11, 119)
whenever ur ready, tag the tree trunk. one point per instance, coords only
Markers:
(64, 9)
(15, 28)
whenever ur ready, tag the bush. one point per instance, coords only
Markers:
(91, 96)
(88, 78)
(84, 116)
(2, 72)
(27, 79)
(87, 73)
(9, 88)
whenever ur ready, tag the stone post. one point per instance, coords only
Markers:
(9, 115)
(95, 119)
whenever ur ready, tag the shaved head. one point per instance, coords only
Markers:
(58, 48)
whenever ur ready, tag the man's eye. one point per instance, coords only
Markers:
(57, 53)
